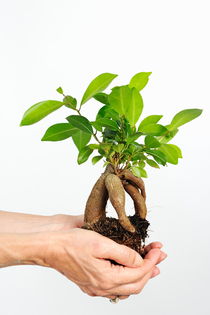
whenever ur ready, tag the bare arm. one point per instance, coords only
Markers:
(13, 222)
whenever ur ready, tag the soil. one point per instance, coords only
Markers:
(110, 227)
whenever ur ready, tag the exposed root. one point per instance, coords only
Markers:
(96, 203)
(117, 197)
(130, 177)
(139, 202)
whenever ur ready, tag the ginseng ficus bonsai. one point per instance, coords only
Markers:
(124, 144)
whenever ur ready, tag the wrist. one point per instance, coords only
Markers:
(23, 249)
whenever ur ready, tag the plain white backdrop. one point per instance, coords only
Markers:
(47, 43)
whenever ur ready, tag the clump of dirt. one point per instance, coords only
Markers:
(111, 228)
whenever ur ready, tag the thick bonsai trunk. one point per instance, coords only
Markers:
(130, 231)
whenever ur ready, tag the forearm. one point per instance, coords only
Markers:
(13, 222)
(22, 249)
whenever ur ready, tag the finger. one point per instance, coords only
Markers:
(163, 256)
(155, 272)
(122, 254)
(131, 288)
(125, 275)
(152, 245)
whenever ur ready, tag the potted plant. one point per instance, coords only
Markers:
(125, 146)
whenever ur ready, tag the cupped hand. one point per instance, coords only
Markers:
(84, 258)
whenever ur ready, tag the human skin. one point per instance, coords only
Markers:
(80, 255)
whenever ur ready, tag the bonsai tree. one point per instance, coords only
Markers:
(124, 145)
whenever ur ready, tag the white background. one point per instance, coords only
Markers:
(47, 43)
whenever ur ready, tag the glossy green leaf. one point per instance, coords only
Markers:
(70, 101)
(59, 90)
(81, 138)
(152, 129)
(101, 97)
(152, 119)
(127, 102)
(59, 132)
(38, 111)
(152, 163)
(169, 135)
(138, 171)
(139, 80)
(178, 150)
(105, 122)
(96, 158)
(170, 152)
(84, 154)
(94, 146)
(133, 137)
(135, 107)
(158, 155)
(118, 147)
(184, 117)
(107, 112)
(80, 122)
(99, 84)
(151, 142)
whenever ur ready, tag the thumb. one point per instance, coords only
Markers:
(122, 254)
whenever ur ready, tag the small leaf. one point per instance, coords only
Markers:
(152, 163)
(59, 132)
(158, 155)
(169, 135)
(59, 90)
(133, 137)
(138, 171)
(118, 147)
(38, 111)
(170, 152)
(139, 80)
(153, 129)
(178, 150)
(107, 112)
(99, 84)
(70, 101)
(80, 122)
(151, 142)
(135, 107)
(105, 122)
(84, 154)
(184, 117)
(96, 158)
(101, 97)
(152, 119)
(81, 138)
(94, 146)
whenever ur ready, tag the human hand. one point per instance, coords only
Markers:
(84, 258)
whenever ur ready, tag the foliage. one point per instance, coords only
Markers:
(115, 130)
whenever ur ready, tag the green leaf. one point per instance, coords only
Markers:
(105, 122)
(94, 146)
(81, 138)
(84, 154)
(38, 111)
(70, 102)
(178, 150)
(135, 108)
(152, 163)
(133, 137)
(101, 97)
(127, 102)
(170, 152)
(96, 158)
(80, 122)
(169, 135)
(59, 132)
(152, 119)
(184, 117)
(151, 142)
(99, 84)
(138, 171)
(139, 80)
(158, 155)
(107, 112)
(118, 147)
(153, 129)
(59, 90)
